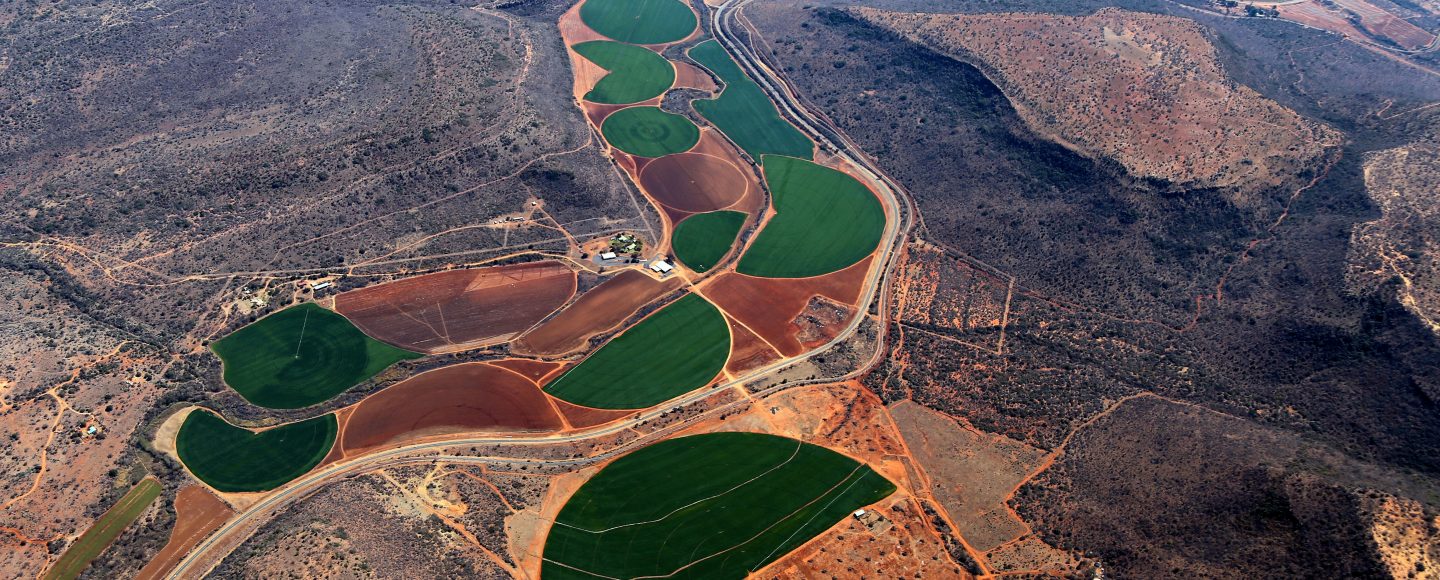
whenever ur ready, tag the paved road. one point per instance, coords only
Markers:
(208, 553)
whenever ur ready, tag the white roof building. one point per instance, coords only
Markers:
(607, 256)
(661, 266)
(320, 286)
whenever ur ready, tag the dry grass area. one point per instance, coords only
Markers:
(1407, 538)
(1145, 90)
(1402, 246)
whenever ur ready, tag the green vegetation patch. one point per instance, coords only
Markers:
(636, 74)
(100, 535)
(743, 111)
(824, 221)
(301, 356)
(639, 21)
(230, 458)
(649, 132)
(671, 352)
(719, 505)
(703, 239)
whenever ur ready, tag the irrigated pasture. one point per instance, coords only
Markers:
(233, 459)
(824, 221)
(719, 505)
(703, 239)
(459, 309)
(301, 356)
(743, 112)
(649, 132)
(94, 541)
(599, 310)
(636, 73)
(669, 353)
(694, 182)
(460, 398)
(639, 21)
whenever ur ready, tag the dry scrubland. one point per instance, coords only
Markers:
(1146, 90)
(1402, 248)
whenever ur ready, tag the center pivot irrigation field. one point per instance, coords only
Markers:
(301, 356)
(671, 352)
(743, 112)
(713, 506)
(703, 239)
(639, 21)
(649, 132)
(230, 458)
(824, 221)
(636, 74)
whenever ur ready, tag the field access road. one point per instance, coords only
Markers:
(900, 220)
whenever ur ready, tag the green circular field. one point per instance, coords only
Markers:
(232, 459)
(703, 239)
(301, 356)
(636, 73)
(649, 132)
(825, 220)
(639, 21)
(718, 505)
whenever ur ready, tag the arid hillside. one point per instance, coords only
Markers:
(1146, 90)
(1402, 248)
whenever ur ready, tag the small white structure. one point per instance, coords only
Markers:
(859, 514)
(607, 256)
(661, 266)
(320, 286)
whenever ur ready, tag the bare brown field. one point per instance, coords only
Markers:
(694, 182)
(459, 309)
(460, 398)
(532, 369)
(585, 417)
(197, 513)
(599, 310)
(1146, 90)
(971, 473)
(769, 306)
(747, 351)
(1382, 23)
(689, 76)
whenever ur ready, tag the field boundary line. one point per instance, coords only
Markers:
(812, 518)
(798, 446)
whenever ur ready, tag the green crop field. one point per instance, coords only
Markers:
(301, 356)
(80, 554)
(230, 458)
(743, 112)
(639, 21)
(671, 352)
(824, 221)
(636, 74)
(719, 505)
(703, 239)
(649, 132)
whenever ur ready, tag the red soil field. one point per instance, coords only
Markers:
(694, 182)
(197, 513)
(532, 369)
(747, 351)
(597, 311)
(461, 398)
(459, 309)
(585, 417)
(691, 77)
(769, 305)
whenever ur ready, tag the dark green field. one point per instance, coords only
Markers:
(636, 74)
(719, 505)
(301, 356)
(639, 21)
(703, 239)
(649, 132)
(743, 112)
(233, 459)
(80, 554)
(672, 352)
(825, 220)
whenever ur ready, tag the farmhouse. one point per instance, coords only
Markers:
(607, 256)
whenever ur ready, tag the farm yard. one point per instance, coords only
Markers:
(702, 240)
(639, 21)
(234, 459)
(636, 73)
(678, 349)
(716, 505)
(825, 221)
(649, 132)
(459, 309)
(743, 111)
(301, 356)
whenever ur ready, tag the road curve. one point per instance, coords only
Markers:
(200, 560)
